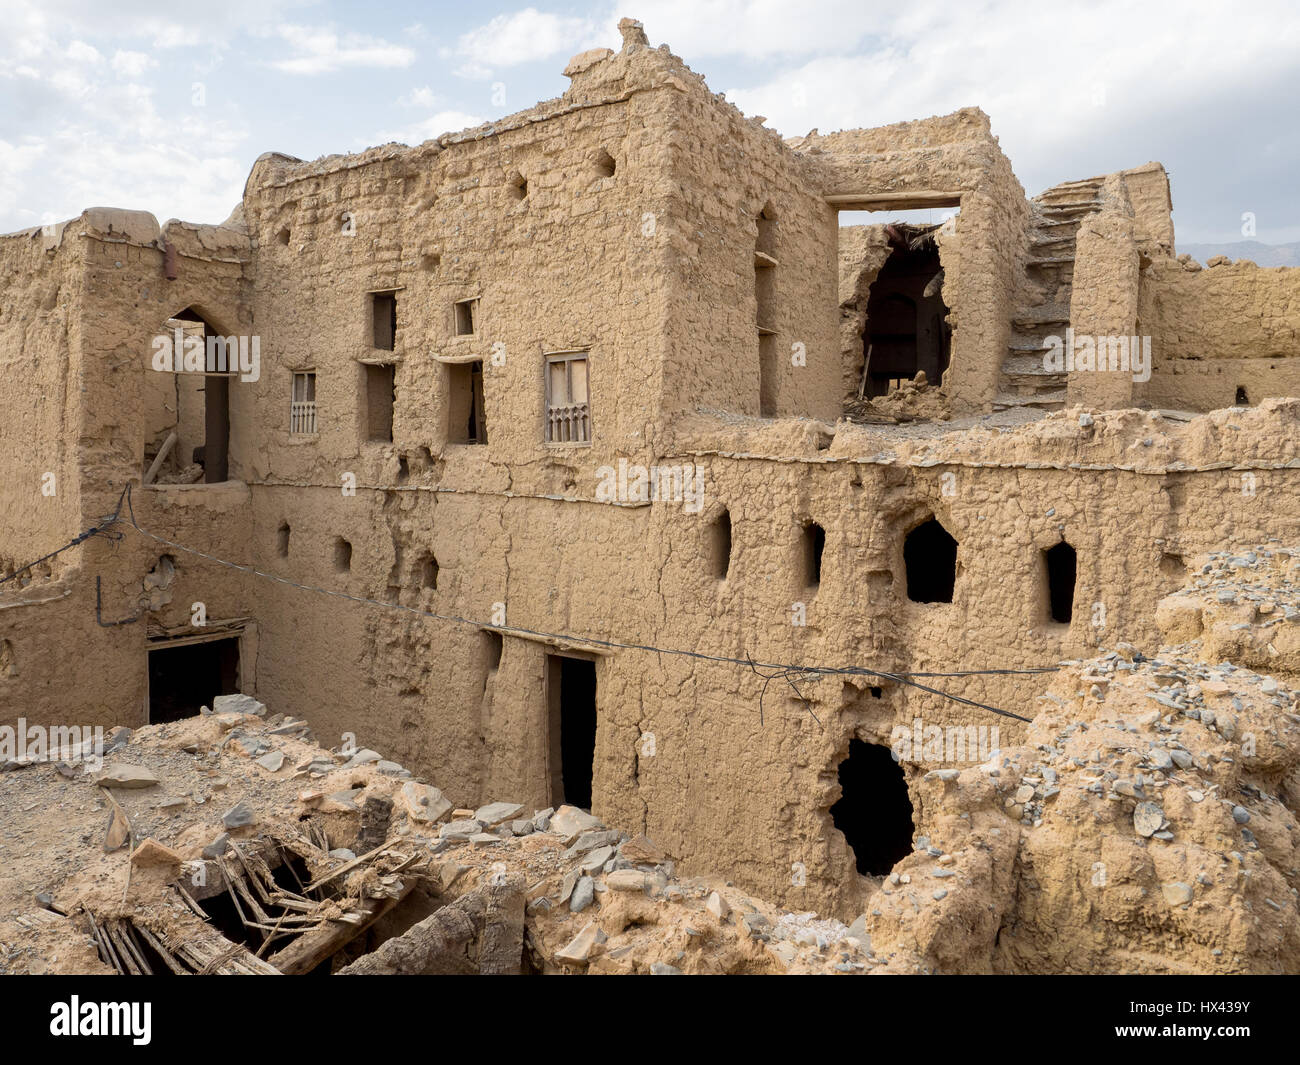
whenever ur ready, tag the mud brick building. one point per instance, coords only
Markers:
(454, 340)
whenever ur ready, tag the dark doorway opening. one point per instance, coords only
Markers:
(182, 679)
(874, 811)
(571, 692)
(930, 557)
(1061, 563)
(907, 321)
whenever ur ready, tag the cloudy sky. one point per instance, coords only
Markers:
(164, 106)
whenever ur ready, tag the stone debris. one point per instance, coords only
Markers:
(126, 776)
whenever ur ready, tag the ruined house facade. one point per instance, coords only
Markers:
(468, 351)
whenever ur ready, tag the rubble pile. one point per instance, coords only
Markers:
(1146, 824)
(340, 859)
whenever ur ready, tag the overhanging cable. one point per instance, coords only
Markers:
(785, 670)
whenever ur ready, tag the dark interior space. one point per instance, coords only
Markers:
(874, 811)
(1061, 564)
(181, 679)
(814, 543)
(214, 453)
(906, 328)
(930, 556)
(572, 696)
(720, 543)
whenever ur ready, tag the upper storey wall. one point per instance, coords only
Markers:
(41, 283)
(540, 217)
(750, 334)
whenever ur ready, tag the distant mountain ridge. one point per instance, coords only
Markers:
(1260, 254)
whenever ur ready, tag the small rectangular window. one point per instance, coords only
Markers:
(467, 422)
(568, 410)
(384, 320)
(380, 390)
(466, 318)
(302, 403)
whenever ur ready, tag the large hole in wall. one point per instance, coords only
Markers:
(571, 694)
(930, 558)
(874, 810)
(1060, 565)
(182, 679)
(906, 330)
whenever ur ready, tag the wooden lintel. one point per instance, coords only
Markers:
(893, 201)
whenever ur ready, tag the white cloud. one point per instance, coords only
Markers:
(132, 64)
(321, 50)
(523, 37)
(421, 97)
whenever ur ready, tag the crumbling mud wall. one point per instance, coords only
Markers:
(1147, 823)
(1215, 331)
(934, 161)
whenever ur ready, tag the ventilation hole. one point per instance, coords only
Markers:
(283, 236)
(1173, 569)
(282, 540)
(1061, 563)
(1242, 399)
(874, 810)
(342, 555)
(930, 556)
(720, 544)
(605, 164)
(429, 572)
(518, 185)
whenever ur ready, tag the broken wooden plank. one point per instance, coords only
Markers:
(312, 948)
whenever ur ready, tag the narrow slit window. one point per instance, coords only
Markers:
(813, 543)
(568, 409)
(1061, 564)
(384, 316)
(302, 404)
(720, 545)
